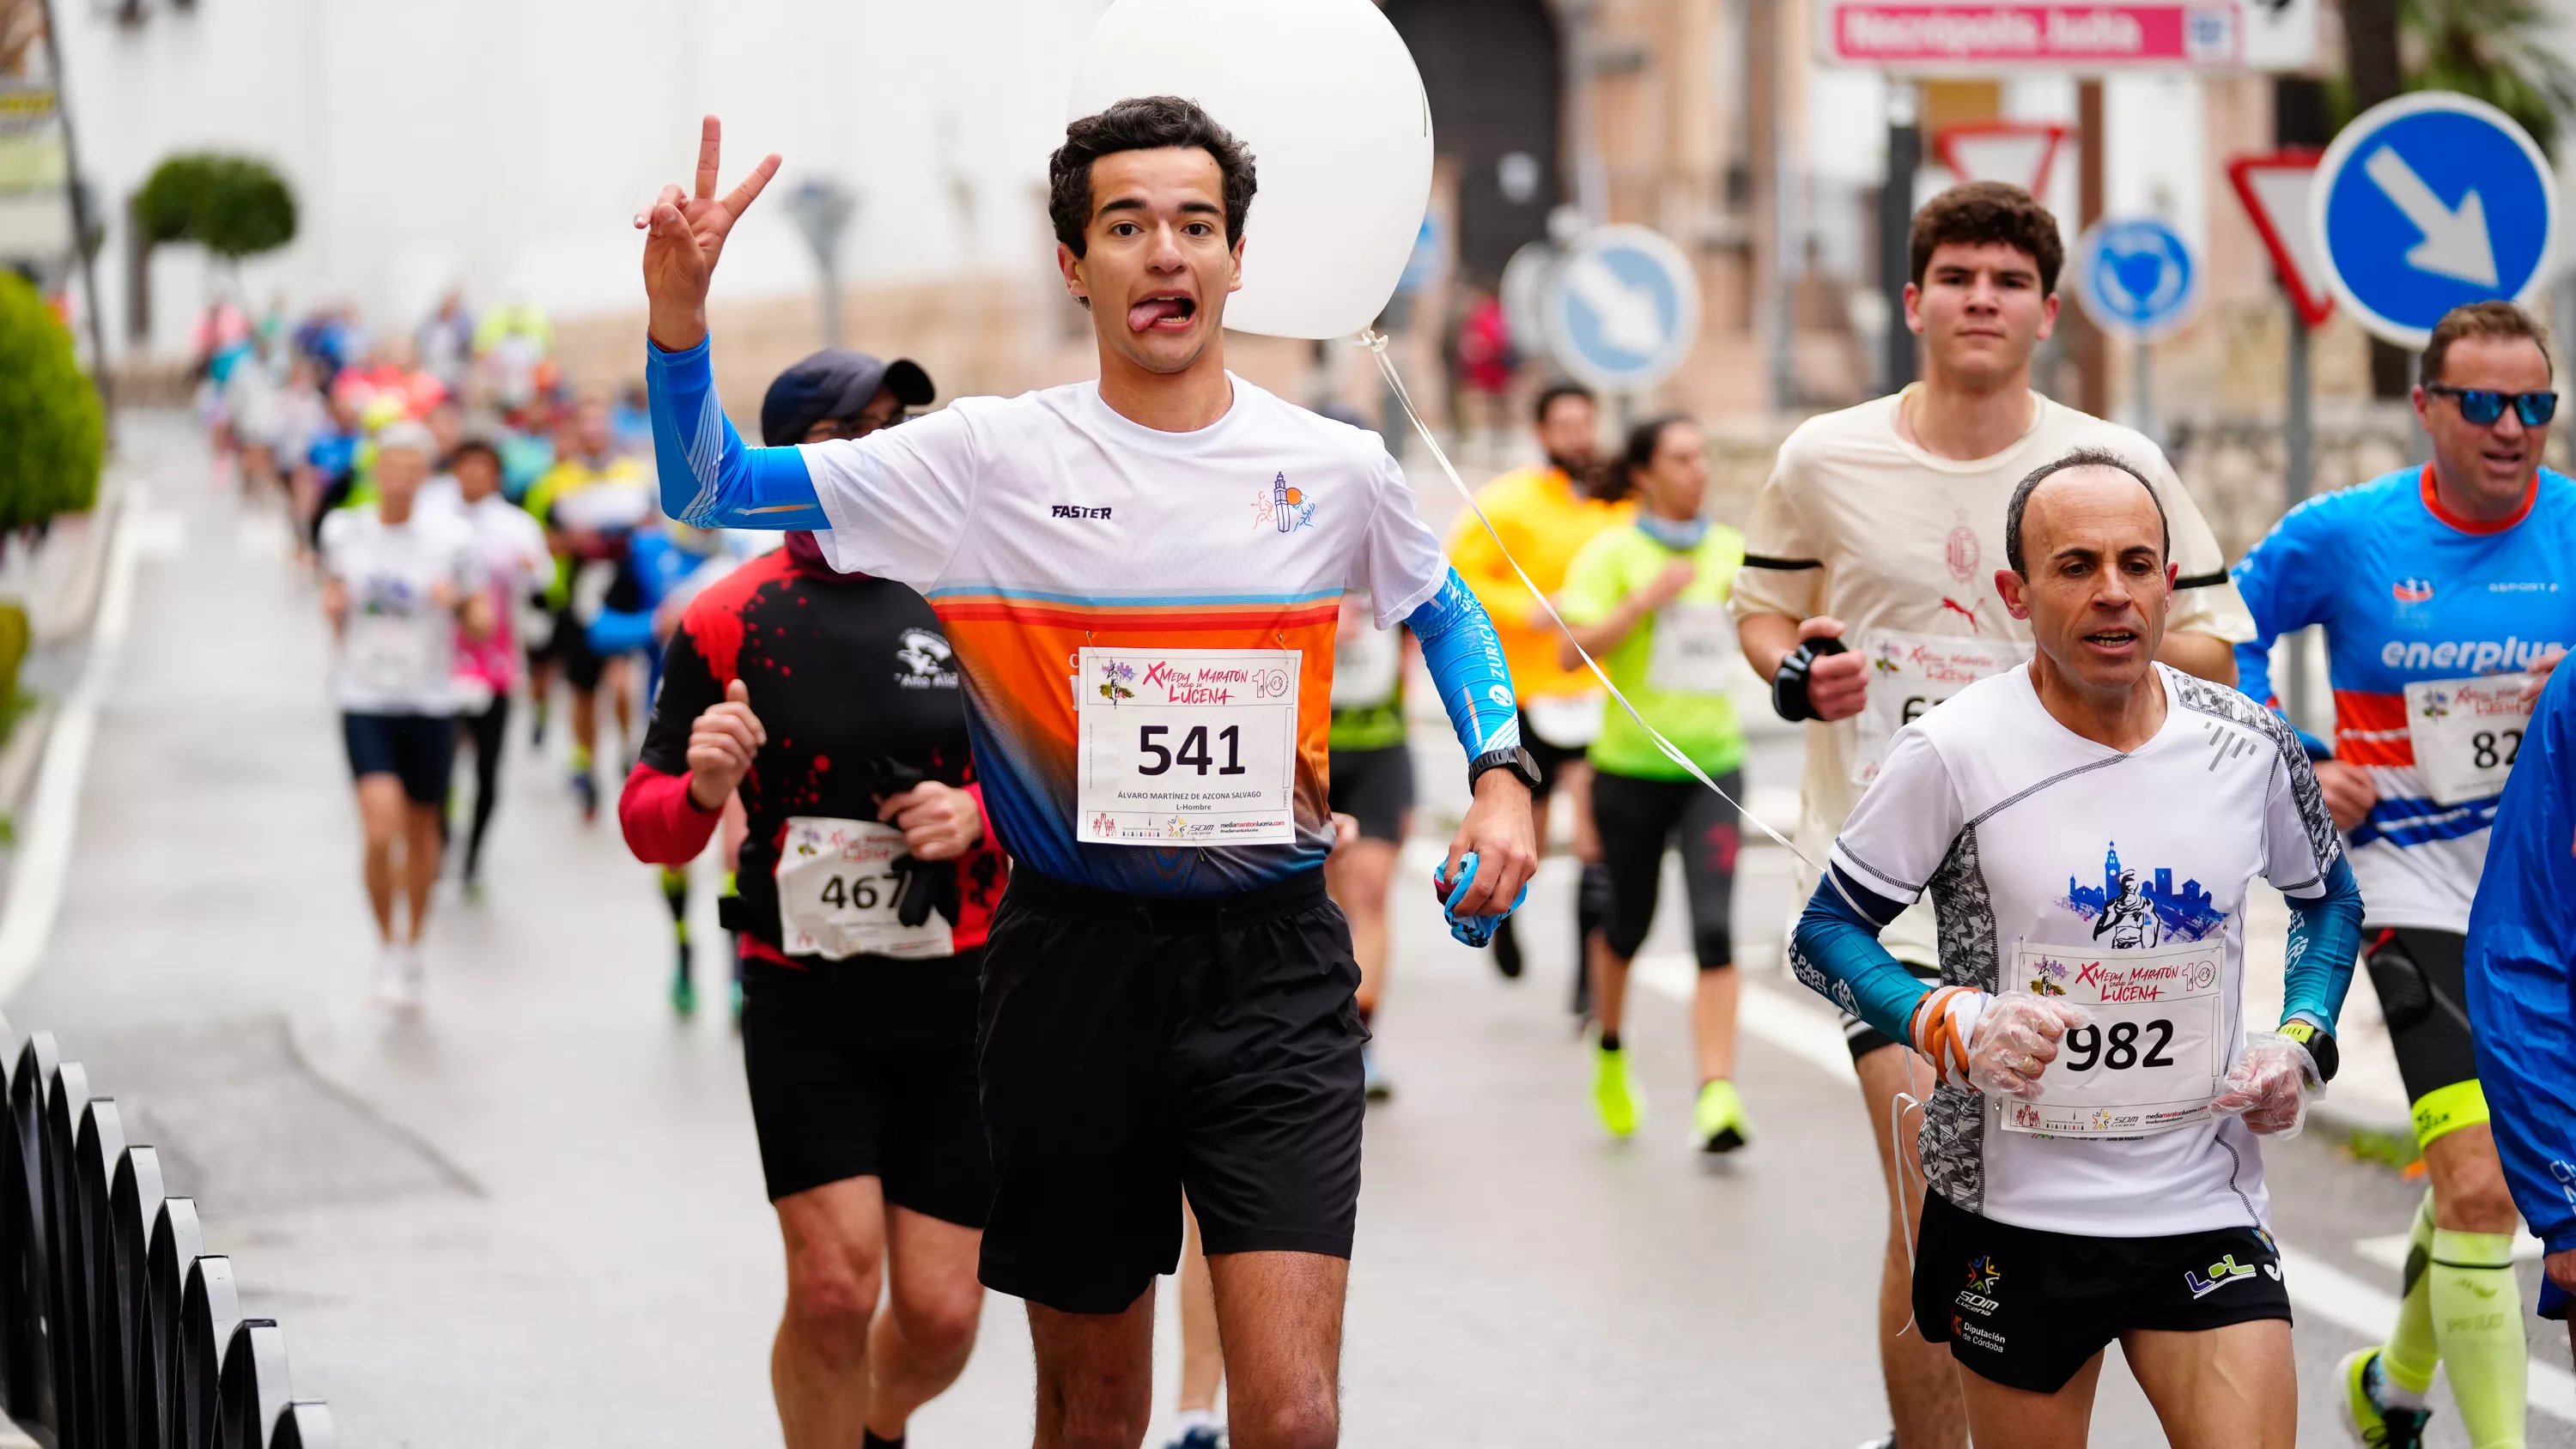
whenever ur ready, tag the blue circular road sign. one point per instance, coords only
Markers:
(2136, 277)
(2427, 202)
(1622, 309)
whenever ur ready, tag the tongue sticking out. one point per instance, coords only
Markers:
(1165, 312)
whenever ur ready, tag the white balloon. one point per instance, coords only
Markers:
(1325, 95)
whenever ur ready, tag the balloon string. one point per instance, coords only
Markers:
(1375, 341)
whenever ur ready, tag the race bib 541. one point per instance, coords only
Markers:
(1186, 746)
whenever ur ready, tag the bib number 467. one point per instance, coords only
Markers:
(1193, 751)
(857, 892)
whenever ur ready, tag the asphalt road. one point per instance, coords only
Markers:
(533, 1216)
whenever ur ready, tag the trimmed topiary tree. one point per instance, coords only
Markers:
(233, 206)
(49, 414)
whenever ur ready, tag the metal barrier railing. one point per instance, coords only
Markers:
(118, 1330)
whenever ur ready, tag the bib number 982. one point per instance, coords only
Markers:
(1193, 750)
(2117, 1050)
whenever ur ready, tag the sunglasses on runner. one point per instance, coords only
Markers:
(2483, 405)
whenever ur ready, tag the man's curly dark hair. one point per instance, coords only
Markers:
(1144, 123)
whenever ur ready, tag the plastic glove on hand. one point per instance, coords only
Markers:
(1473, 930)
(2016, 1039)
(2270, 1085)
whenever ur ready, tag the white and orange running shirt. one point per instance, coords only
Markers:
(1101, 580)
(1902, 546)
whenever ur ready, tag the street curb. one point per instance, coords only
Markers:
(78, 602)
(2361, 1119)
(19, 759)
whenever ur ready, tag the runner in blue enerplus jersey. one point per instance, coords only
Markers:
(2441, 590)
(2412, 593)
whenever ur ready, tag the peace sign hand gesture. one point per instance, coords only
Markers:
(683, 233)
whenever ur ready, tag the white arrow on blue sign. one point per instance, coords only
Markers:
(2136, 277)
(2427, 202)
(1622, 309)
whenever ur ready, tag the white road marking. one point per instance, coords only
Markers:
(2317, 1288)
(45, 836)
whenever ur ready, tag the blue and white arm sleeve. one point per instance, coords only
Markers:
(2325, 939)
(709, 479)
(1835, 952)
(1465, 658)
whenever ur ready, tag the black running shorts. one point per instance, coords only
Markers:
(1550, 759)
(866, 1068)
(417, 749)
(1136, 1049)
(2028, 1309)
(2423, 985)
(1374, 787)
(1637, 818)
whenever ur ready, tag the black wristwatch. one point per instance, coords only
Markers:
(1516, 759)
(2320, 1044)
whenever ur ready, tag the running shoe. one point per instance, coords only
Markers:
(1615, 1091)
(586, 790)
(1199, 1436)
(1507, 951)
(1374, 1083)
(2376, 1425)
(1719, 1118)
(398, 978)
(684, 990)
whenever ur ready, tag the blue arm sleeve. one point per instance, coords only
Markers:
(614, 633)
(1835, 952)
(1465, 658)
(2282, 580)
(709, 479)
(2325, 938)
(2522, 971)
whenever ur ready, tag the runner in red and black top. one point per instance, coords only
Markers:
(829, 703)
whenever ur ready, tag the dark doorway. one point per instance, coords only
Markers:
(1494, 74)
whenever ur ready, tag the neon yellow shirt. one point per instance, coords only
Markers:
(1700, 723)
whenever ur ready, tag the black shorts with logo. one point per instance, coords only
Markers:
(1374, 787)
(1136, 1049)
(866, 1068)
(2028, 1309)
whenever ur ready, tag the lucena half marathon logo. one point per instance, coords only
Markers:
(2131, 911)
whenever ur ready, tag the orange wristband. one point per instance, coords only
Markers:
(1936, 1035)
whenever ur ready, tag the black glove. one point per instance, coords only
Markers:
(923, 886)
(1789, 686)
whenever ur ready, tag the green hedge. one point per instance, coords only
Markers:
(49, 414)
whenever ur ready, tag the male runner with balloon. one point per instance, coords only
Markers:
(1141, 577)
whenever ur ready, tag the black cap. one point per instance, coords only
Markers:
(835, 383)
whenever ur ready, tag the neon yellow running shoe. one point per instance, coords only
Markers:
(2375, 1425)
(1719, 1117)
(1614, 1090)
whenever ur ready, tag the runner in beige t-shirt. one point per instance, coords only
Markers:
(1881, 527)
